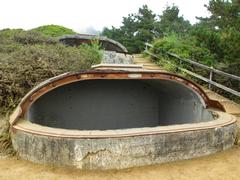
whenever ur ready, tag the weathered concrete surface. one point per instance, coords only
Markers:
(105, 43)
(112, 57)
(124, 152)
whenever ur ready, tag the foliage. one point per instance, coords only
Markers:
(27, 58)
(224, 14)
(145, 26)
(32, 37)
(171, 22)
(6, 147)
(54, 30)
(184, 47)
(220, 33)
(136, 30)
(214, 41)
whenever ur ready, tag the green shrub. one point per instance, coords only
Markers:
(6, 147)
(33, 37)
(26, 60)
(54, 30)
(184, 47)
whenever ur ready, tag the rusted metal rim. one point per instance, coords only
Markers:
(68, 78)
(222, 120)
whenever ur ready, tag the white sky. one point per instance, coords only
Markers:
(80, 15)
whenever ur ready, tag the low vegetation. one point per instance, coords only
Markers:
(30, 57)
(6, 147)
(53, 30)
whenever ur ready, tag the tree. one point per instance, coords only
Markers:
(145, 26)
(171, 22)
(221, 31)
(207, 38)
(136, 29)
(224, 14)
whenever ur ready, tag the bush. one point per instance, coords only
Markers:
(33, 37)
(184, 47)
(26, 60)
(54, 30)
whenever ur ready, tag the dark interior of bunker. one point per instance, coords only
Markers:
(118, 104)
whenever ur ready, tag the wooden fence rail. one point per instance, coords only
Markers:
(211, 70)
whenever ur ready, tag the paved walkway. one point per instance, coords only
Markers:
(146, 62)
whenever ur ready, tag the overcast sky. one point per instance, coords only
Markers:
(80, 15)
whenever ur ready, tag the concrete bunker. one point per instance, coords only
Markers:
(114, 119)
(105, 43)
(113, 51)
(118, 104)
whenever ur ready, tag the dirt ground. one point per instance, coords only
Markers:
(223, 165)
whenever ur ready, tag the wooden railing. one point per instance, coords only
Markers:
(211, 70)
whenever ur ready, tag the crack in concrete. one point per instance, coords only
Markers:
(94, 153)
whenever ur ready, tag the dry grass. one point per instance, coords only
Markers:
(6, 147)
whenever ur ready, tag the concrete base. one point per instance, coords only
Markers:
(117, 149)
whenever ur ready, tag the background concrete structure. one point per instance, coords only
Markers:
(112, 57)
(113, 51)
(105, 43)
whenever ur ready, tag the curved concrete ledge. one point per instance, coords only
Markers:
(117, 149)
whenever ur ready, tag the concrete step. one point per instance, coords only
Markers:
(144, 61)
(147, 63)
(231, 107)
(214, 96)
(137, 55)
(151, 66)
(141, 61)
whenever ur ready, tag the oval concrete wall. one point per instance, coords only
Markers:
(118, 104)
(119, 149)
